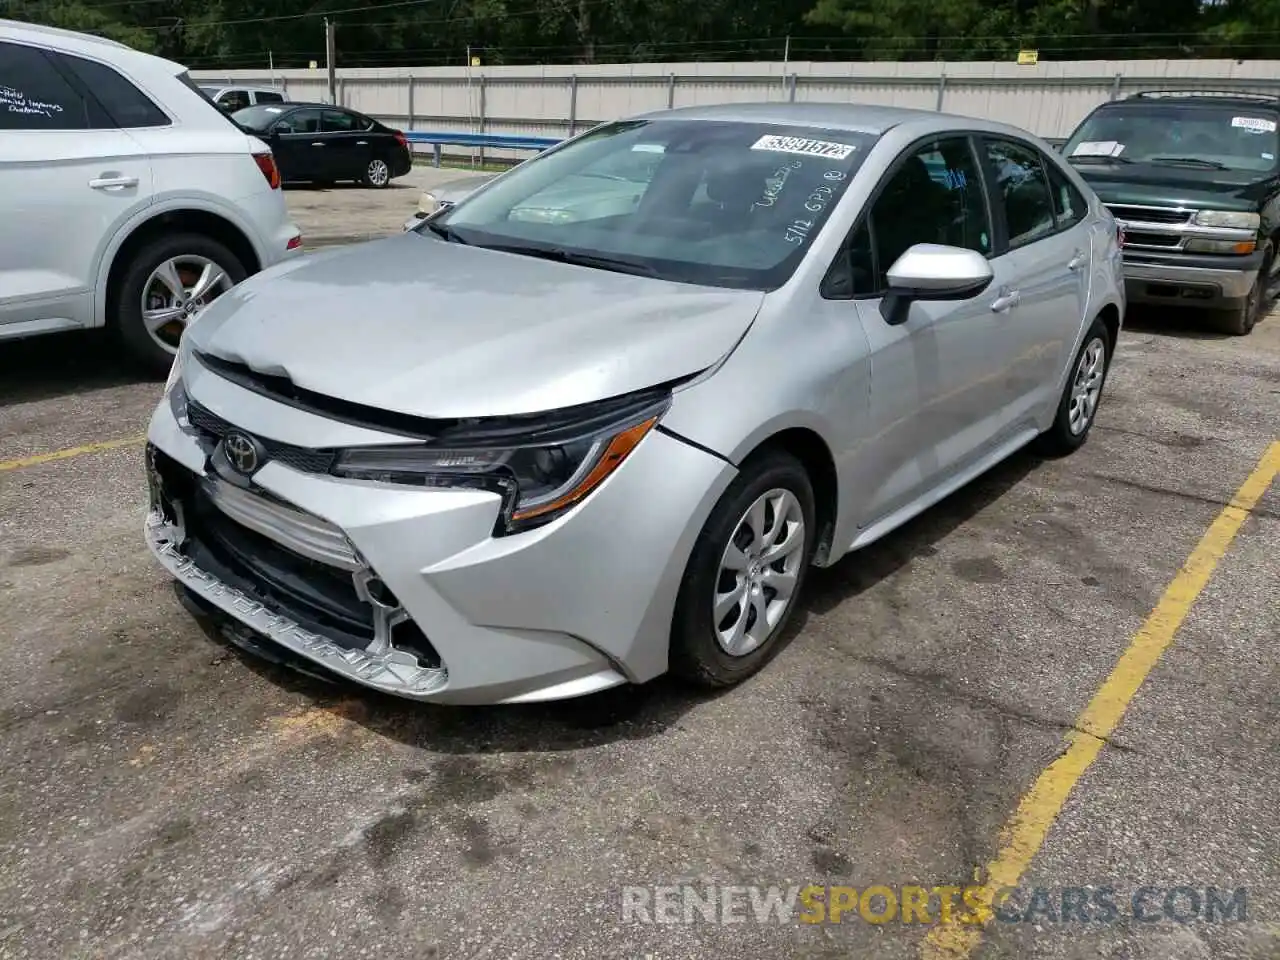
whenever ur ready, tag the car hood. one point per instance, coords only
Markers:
(1160, 185)
(415, 325)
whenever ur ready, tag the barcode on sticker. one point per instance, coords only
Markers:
(1254, 124)
(811, 148)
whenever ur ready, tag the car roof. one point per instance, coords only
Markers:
(856, 117)
(205, 85)
(1182, 98)
(73, 41)
(316, 104)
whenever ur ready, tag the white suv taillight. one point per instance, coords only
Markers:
(267, 164)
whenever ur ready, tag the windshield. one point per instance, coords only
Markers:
(258, 118)
(715, 203)
(1217, 136)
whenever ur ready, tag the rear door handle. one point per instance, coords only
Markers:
(113, 183)
(362, 143)
(1006, 301)
(1076, 262)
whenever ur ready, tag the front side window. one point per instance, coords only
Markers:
(934, 195)
(1023, 190)
(35, 96)
(300, 121)
(234, 100)
(719, 203)
(1205, 136)
(128, 106)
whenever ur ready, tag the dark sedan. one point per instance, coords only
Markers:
(322, 143)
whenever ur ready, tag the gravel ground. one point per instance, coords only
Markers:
(162, 795)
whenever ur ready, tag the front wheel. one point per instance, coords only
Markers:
(744, 573)
(1080, 397)
(164, 289)
(377, 174)
(1241, 320)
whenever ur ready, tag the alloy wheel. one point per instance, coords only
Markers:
(176, 293)
(759, 571)
(379, 173)
(1086, 385)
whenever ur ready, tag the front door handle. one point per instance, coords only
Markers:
(1076, 262)
(362, 143)
(113, 183)
(1006, 301)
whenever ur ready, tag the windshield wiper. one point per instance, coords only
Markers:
(615, 264)
(1198, 161)
(1097, 158)
(445, 232)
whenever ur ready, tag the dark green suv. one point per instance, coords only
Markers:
(1193, 179)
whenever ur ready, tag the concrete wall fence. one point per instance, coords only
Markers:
(1048, 98)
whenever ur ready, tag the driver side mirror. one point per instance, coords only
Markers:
(930, 271)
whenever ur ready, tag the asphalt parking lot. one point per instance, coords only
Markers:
(162, 795)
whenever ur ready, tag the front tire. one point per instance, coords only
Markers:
(164, 288)
(745, 573)
(1078, 406)
(1241, 321)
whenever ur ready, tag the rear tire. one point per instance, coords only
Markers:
(767, 511)
(377, 174)
(147, 284)
(1078, 405)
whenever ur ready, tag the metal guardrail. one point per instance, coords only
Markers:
(495, 141)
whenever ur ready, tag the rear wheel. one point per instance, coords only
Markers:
(165, 287)
(1080, 397)
(377, 174)
(744, 573)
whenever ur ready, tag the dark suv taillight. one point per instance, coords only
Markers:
(404, 141)
(267, 164)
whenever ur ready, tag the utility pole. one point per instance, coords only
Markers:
(786, 59)
(330, 56)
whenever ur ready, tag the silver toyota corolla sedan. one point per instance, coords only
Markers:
(545, 443)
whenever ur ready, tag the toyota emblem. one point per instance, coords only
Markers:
(241, 451)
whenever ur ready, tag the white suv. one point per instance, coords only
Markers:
(127, 199)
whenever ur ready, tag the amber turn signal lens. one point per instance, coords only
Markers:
(619, 447)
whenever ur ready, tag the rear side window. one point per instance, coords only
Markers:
(335, 121)
(266, 97)
(35, 96)
(1023, 190)
(1068, 204)
(127, 105)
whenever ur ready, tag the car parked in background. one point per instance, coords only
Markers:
(445, 195)
(229, 99)
(323, 143)
(506, 457)
(126, 199)
(1194, 178)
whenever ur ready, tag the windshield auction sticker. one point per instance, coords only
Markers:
(1098, 148)
(1254, 124)
(809, 148)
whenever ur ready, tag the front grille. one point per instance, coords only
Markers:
(319, 597)
(1137, 238)
(303, 459)
(1150, 214)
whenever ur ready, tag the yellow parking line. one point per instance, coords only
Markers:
(70, 452)
(1025, 831)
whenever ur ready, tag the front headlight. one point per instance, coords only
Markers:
(539, 479)
(1231, 219)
